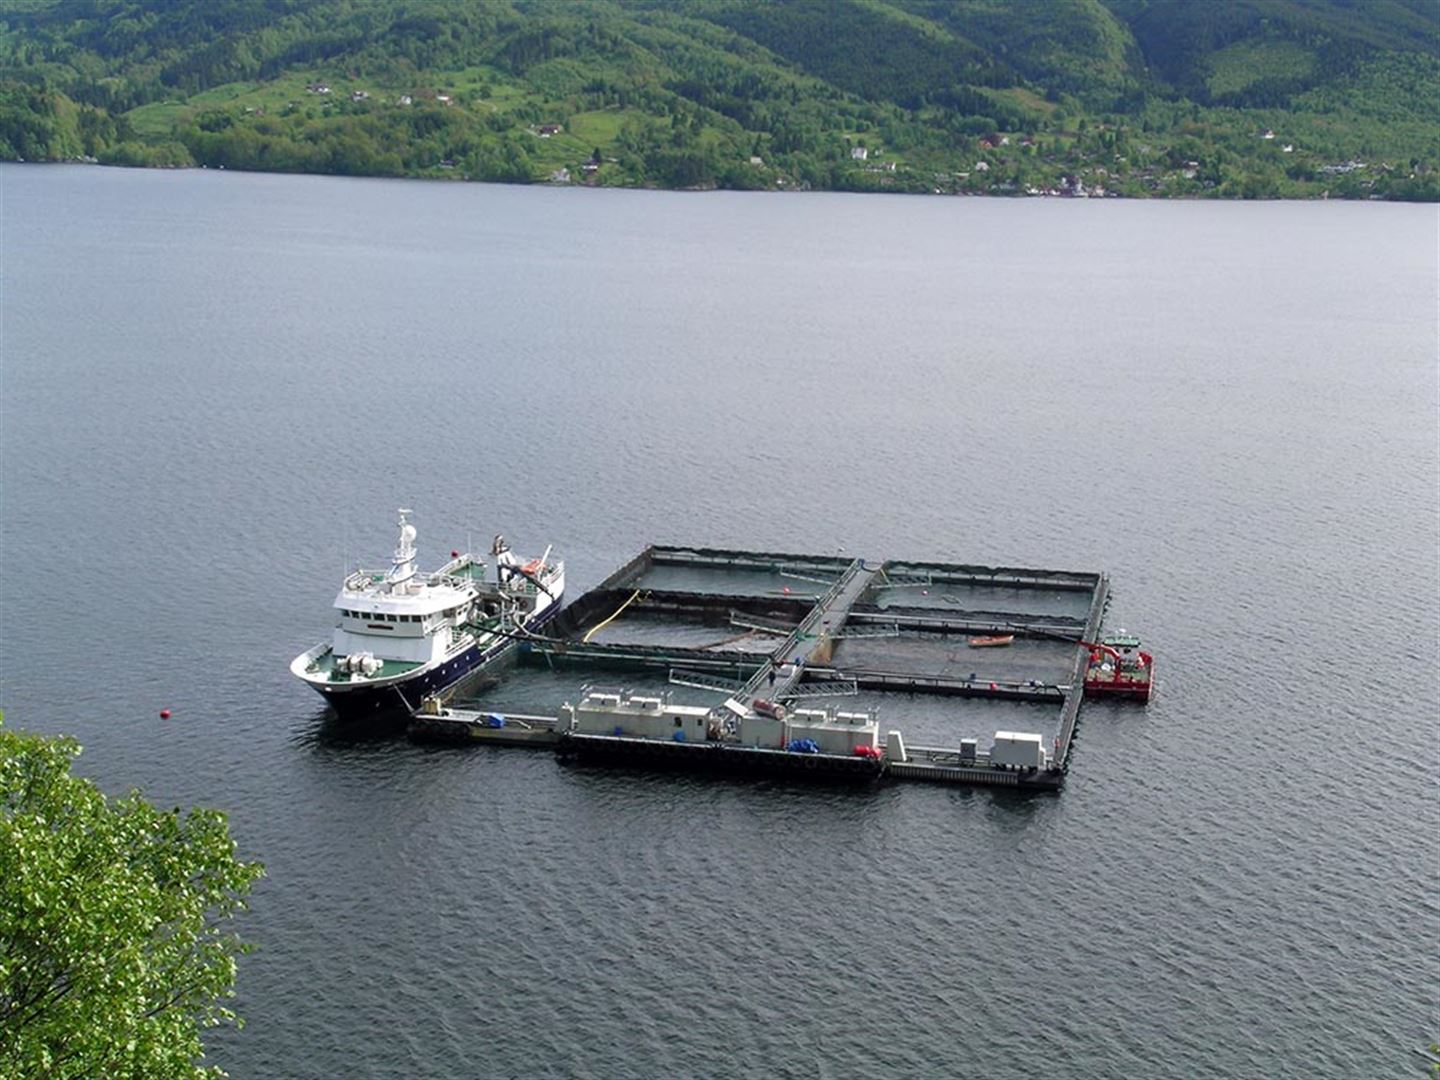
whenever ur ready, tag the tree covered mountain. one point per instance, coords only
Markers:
(1251, 98)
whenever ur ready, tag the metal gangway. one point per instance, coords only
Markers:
(779, 678)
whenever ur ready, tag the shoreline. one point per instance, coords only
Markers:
(1010, 195)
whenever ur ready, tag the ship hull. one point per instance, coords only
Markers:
(1130, 692)
(1128, 689)
(403, 695)
(716, 757)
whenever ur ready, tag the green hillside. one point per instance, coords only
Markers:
(1225, 98)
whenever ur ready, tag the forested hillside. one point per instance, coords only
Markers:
(1227, 98)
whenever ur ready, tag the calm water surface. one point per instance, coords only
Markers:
(217, 388)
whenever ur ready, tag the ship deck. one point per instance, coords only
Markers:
(325, 665)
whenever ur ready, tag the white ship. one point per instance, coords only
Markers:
(401, 634)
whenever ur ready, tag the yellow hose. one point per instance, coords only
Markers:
(601, 625)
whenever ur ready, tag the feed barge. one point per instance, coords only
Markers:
(618, 727)
(764, 739)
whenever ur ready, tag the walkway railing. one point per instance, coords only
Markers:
(805, 631)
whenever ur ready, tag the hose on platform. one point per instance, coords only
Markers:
(601, 625)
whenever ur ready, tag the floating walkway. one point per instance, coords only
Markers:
(440, 724)
(812, 639)
(767, 649)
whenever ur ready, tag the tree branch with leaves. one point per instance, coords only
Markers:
(115, 944)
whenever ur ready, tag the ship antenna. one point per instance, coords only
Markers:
(402, 567)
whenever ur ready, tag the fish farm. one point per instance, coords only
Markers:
(820, 667)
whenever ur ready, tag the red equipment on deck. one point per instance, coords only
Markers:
(1118, 667)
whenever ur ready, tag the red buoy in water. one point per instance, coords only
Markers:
(164, 714)
(454, 554)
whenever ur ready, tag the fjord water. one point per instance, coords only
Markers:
(217, 388)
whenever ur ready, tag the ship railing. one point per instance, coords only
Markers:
(454, 581)
(518, 583)
(359, 579)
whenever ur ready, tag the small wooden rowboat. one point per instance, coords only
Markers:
(991, 642)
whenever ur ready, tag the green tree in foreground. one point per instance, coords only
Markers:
(113, 953)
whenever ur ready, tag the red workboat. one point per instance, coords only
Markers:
(1118, 667)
